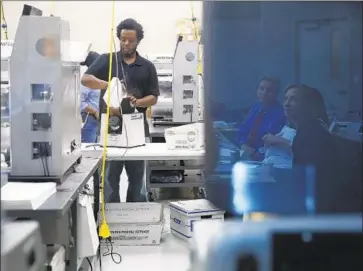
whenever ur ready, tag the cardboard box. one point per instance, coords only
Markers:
(183, 214)
(135, 224)
(189, 136)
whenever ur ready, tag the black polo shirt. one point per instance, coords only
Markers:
(141, 78)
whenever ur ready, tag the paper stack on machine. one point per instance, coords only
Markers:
(190, 136)
(126, 131)
(184, 214)
(135, 224)
(15, 195)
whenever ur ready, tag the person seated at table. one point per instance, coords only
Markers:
(265, 117)
(315, 147)
(305, 108)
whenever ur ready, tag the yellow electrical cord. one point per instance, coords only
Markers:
(3, 22)
(104, 230)
(196, 34)
(52, 7)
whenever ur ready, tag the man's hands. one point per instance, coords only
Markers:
(249, 153)
(92, 112)
(145, 102)
(133, 100)
(115, 111)
(93, 82)
(247, 149)
(270, 140)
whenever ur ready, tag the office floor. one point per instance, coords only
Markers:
(171, 254)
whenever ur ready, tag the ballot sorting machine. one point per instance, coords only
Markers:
(44, 100)
(6, 49)
(178, 81)
(163, 110)
(21, 246)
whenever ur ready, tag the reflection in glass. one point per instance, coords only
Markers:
(252, 52)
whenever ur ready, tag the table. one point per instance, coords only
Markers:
(55, 209)
(157, 131)
(150, 152)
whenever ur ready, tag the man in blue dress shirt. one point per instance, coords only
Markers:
(265, 117)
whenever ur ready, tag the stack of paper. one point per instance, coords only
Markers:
(16, 195)
(75, 51)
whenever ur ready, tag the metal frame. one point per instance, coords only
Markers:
(60, 210)
(45, 79)
(158, 132)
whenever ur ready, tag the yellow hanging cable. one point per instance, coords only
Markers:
(196, 34)
(52, 7)
(3, 23)
(104, 230)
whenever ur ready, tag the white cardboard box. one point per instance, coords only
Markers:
(189, 136)
(135, 224)
(183, 214)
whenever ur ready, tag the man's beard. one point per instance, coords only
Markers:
(128, 54)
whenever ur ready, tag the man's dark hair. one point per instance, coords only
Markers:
(271, 79)
(130, 24)
(91, 57)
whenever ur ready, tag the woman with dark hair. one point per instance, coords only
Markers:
(315, 146)
(303, 103)
(304, 107)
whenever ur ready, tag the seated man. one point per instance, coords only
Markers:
(265, 117)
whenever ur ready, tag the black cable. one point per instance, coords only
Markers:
(44, 170)
(180, 39)
(100, 258)
(201, 76)
(111, 253)
(90, 264)
(94, 145)
(45, 154)
(43, 159)
(46, 161)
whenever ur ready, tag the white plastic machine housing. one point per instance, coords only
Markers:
(188, 136)
(42, 56)
(163, 110)
(6, 49)
(185, 83)
(22, 248)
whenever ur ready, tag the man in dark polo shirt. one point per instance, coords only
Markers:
(140, 78)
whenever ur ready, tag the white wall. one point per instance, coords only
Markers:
(91, 20)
